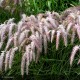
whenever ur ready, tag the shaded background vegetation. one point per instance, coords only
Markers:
(55, 65)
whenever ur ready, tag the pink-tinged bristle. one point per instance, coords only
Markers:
(57, 39)
(73, 53)
(52, 35)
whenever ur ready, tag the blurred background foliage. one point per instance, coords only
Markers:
(53, 66)
(36, 6)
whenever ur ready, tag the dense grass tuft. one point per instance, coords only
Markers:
(55, 65)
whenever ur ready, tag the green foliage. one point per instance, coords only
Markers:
(55, 65)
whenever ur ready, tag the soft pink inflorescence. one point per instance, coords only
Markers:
(75, 49)
(31, 35)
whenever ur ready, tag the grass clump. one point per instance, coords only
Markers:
(55, 65)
